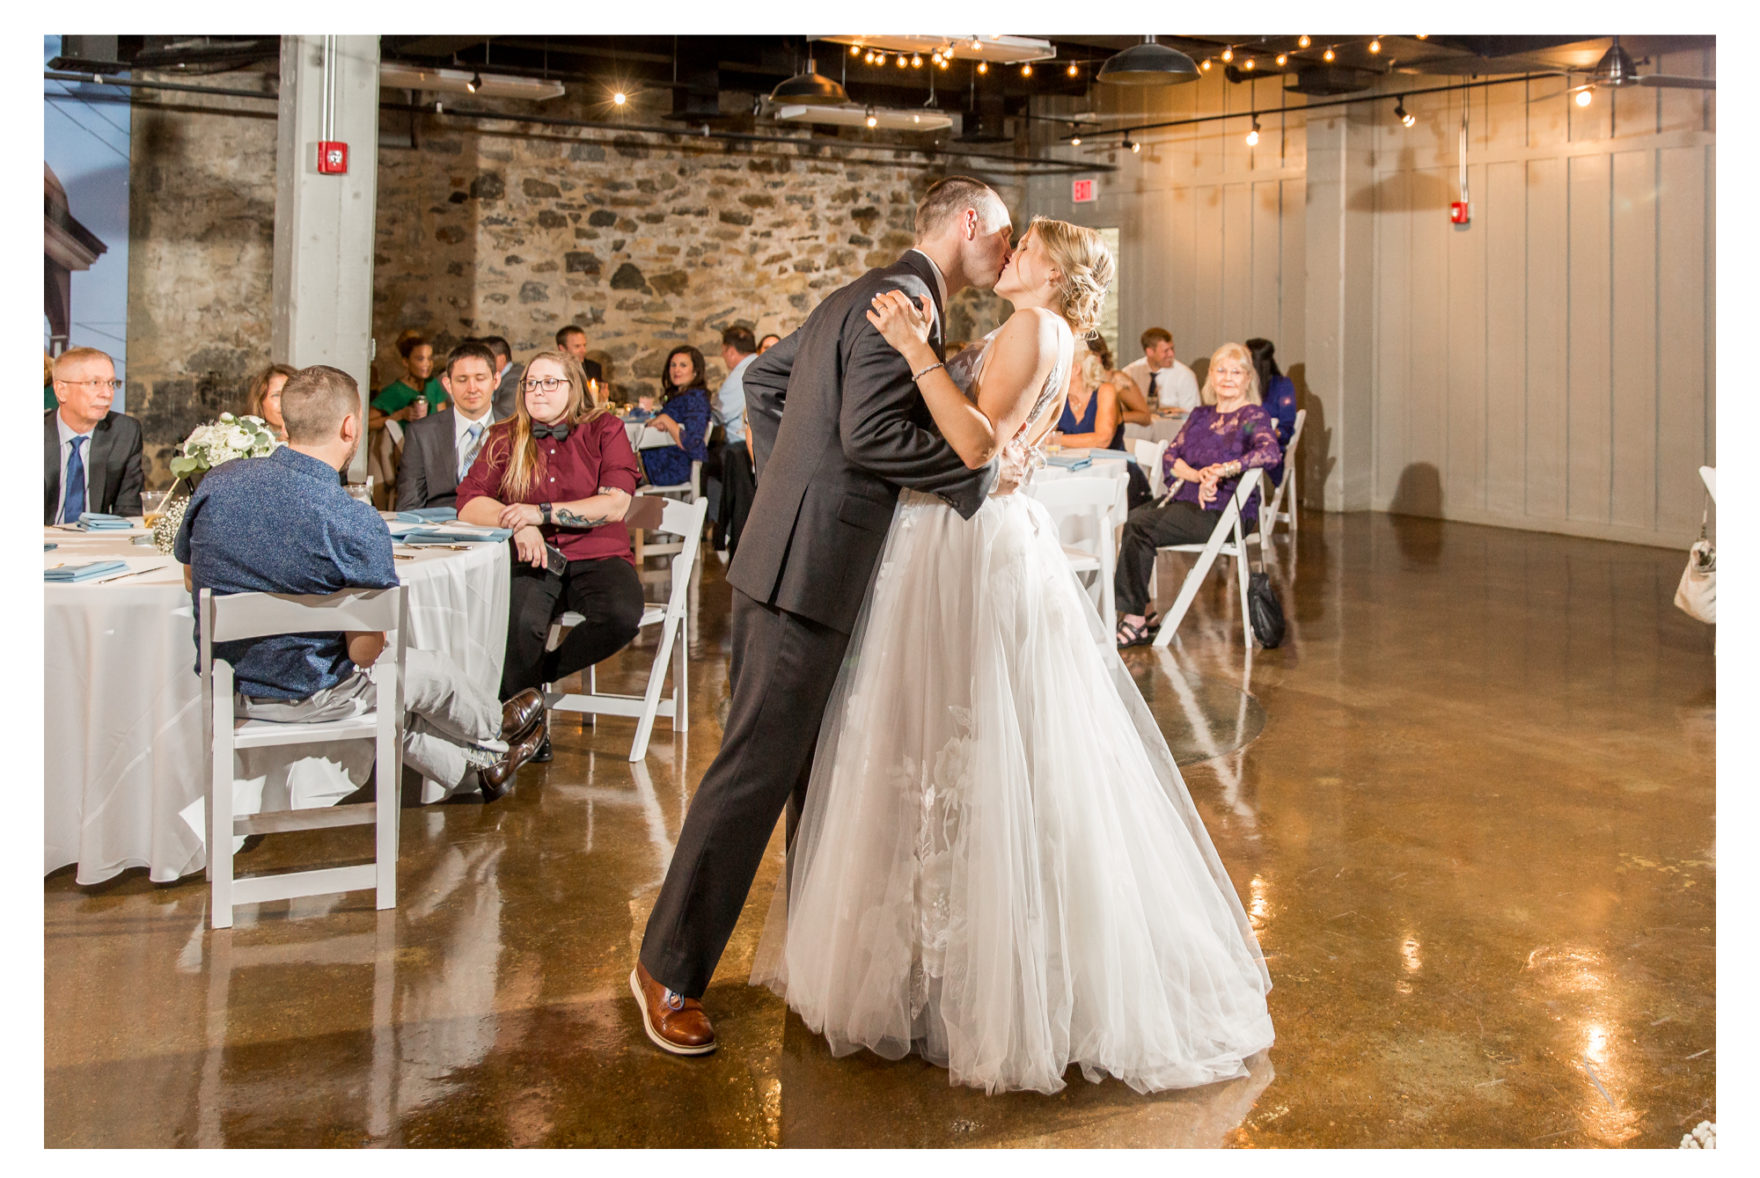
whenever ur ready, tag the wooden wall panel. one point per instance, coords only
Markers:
(1262, 317)
(1589, 464)
(1634, 372)
(1547, 412)
(1681, 281)
(1503, 220)
(1393, 331)
(1291, 336)
(1427, 293)
(1207, 255)
(1237, 263)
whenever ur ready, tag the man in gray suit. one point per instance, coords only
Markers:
(438, 449)
(829, 473)
(91, 456)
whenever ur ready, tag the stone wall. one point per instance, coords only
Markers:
(647, 244)
(201, 259)
(492, 228)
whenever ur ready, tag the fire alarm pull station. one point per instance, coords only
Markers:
(332, 158)
(1457, 212)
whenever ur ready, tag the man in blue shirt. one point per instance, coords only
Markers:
(283, 524)
(731, 463)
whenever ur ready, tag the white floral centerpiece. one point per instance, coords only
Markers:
(207, 446)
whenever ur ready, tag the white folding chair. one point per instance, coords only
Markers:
(689, 492)
(227, 618)
(1709, 474)
(1149, 454)
(1095, 551)
(1226, 539)
(685, 519)
(1269, 517)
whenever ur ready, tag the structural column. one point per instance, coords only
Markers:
(324, 222)
(1340, 305)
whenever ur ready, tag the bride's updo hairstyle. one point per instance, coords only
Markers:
(1086, 265)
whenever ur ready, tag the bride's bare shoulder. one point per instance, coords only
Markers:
(1036, 324)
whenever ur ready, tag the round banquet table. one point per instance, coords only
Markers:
(1163, 427)
(124, 765)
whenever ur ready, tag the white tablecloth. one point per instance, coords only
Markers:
(642, 436)
(1161, 429)
(123, 760)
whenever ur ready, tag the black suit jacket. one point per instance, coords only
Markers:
(428, 474)
(506, 398)
(830, 468)
(113, 466)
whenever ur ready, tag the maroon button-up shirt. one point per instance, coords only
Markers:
(596, 454)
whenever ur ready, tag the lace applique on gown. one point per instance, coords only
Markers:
(998, 865)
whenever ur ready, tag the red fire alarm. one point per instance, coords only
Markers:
(1081, 191)
(1457, 212)
(332, 158)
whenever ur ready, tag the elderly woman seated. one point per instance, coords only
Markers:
(1221, 439)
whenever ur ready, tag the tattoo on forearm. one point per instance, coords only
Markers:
(568, 519)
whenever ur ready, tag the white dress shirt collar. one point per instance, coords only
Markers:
(461, 424)
(940, 280)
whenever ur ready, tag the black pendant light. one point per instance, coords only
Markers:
(809, 89)
(1148, 64)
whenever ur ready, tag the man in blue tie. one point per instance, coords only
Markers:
(91, 456)
(438, 449)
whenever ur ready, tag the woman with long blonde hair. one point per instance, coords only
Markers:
(997, 863)
(560, 473)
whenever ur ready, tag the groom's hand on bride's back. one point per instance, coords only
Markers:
(1012, 466)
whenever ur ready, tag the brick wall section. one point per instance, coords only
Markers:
(488, 228)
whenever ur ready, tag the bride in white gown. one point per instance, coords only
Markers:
(998, 864)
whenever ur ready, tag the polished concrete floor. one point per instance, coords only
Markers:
(1469, 803)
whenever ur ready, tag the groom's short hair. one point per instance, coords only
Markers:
(949, 197)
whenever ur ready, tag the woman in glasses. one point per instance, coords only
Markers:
(560, 473)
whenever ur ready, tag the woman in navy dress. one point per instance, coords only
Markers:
(1279, 397)
(684, 416)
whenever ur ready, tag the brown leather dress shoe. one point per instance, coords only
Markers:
(675, 1023)
(520, 713)
(494, 779)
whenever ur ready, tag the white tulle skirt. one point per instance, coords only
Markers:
(998, 864)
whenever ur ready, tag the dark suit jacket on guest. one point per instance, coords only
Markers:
(113, 466)
(855, 431)
(428, 475)
(506, 398)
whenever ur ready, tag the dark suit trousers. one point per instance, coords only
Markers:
(737, 491)
(782, 672)
(606, 592)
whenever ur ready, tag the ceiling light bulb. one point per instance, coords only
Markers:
(1253, 135)
(1282, 59)
(916, 118)
(1027, 70)
(619, 98)
(1303, 41)
(1072, 69)
(1329, 54)
(475, 84)
(1228, 54)
(1205, 65)
(977, 45)
(1248, 64)
(936, 57)
(1408, 118)
(1375, 47)
(872, 121)
(983, 67)
(917, 60)
(903, 61)
(1136, 148)
(1422, 36)
(1585, 97)
(854, 49)
(868, 57)
(1075, 140)
(1400, 112)
(944, 62)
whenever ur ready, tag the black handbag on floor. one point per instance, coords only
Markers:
(1264, 611)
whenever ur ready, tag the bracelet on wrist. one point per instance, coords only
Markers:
(928, 370)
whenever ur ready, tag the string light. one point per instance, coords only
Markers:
(868, 57)
(1303, 41)
(1228, 53)
(1027, 70)
(917, 60)
(854, 50)
(983, 67)
(872, 121)
(936, 57)
(1075, 140)
(1422, 36)
(1375, 47)
(1253, 135)
(944, 63)
(902, 61)
(1205, 65)
(1585, 97)
(1249, 64)
(1282, 60)
(977, 45)
(1328, 55)
(1072, 69)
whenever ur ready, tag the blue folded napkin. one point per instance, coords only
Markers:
(49, 547)
(84, 572)
(95, 521)
(488, 536)
(428, 515)
(1069, 461)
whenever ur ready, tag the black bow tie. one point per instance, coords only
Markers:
(559, 431)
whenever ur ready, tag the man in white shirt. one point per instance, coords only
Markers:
(731, 463)
(1164, 380)
(91, 456)
(438, 449)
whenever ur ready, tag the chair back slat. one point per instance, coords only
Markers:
(233, 616)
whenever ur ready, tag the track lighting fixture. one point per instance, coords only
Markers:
(872, 121)
(1401, 113)
(1075, 140)
(475, 84)
(1136, 148)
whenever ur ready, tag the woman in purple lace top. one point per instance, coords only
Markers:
(1224, 436)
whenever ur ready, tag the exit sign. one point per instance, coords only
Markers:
(1081, 191)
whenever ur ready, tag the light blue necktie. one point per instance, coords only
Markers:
(74, 499)
(473, 441)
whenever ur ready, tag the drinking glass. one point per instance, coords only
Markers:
(152, 506)
(361, 492)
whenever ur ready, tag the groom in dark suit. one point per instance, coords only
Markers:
(91, 456)
(830, 469)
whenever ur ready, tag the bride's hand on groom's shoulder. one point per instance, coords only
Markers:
(899, 321)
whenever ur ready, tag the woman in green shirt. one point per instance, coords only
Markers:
(418, 393)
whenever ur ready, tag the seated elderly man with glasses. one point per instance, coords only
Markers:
(91, 455)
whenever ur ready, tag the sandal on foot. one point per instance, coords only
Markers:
(1131, 634)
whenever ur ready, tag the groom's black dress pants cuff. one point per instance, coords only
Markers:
(783, 670)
